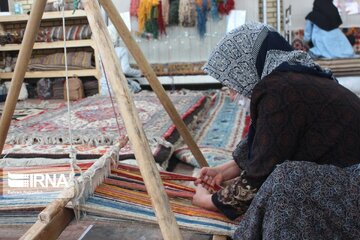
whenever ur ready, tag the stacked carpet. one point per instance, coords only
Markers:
(58, 88)
(342, 66)
(91, 87)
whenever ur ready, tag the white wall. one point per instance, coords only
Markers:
(301, 8)
(184, 44)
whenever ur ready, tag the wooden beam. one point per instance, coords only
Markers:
(22, 62)
(52, 230)
(58, 204)
(47, 15)
(56, 73)
(218, 237)
(125, 103)
(155, 84)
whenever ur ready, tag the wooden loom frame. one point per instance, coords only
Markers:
(59, 217)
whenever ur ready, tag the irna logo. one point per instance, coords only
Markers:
(37, 180)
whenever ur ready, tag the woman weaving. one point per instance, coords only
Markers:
(302, 151)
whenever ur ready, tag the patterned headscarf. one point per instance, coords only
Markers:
(248, 54)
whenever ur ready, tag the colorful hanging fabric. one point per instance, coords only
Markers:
(225, 6)
(75, 5)
(187, 13)
(201, 10)
(165, 11)
(174, 12)
(134, 5)
(148, 18)
(214, 10)
(160, 19)
(151, 24)
(143, 13)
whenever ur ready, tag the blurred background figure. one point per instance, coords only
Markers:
(322, 33)
(123, 56)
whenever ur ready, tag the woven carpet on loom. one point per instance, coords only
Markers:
(116, 198)
(24, 188)
(33, 184)
(224, 125)
(93, 123)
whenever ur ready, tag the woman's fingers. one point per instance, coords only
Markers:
(197, 181)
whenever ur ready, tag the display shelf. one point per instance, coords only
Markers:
(46, 16)
(49, 16)
(50, 45)
(52, 74)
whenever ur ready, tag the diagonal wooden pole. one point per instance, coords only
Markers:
(32, 27)
(166, 219)
(153, 81)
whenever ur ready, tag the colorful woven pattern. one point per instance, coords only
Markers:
(93, 122)
(26, 188)
(225, 124)
(115, 198)
(55, 151)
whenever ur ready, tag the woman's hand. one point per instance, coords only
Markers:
(202, 198)
(209, 177)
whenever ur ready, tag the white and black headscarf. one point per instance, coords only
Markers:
(251, 52)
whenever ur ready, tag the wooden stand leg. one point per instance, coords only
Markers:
(218, 237)
(32, 27)
(52, 230)
(125, 103)
(155, 84)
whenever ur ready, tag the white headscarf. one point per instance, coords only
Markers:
(233, 61)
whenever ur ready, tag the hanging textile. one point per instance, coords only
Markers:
(225, 6)
(150, 19)
(165, 4)
(151, 24)
(134, 5)
(201, 10)
(214, 10)
(174, 12)
(187, 13)
(160, 19)
(144, 12)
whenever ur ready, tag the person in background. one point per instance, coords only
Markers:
(322, 31)
(123, 56)
(305, 129)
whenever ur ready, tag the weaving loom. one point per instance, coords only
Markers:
(21, 191)
(53, 219)
(116, 198)
(120, 195)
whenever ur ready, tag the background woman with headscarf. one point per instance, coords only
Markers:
(305, 126)
(322, 30)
